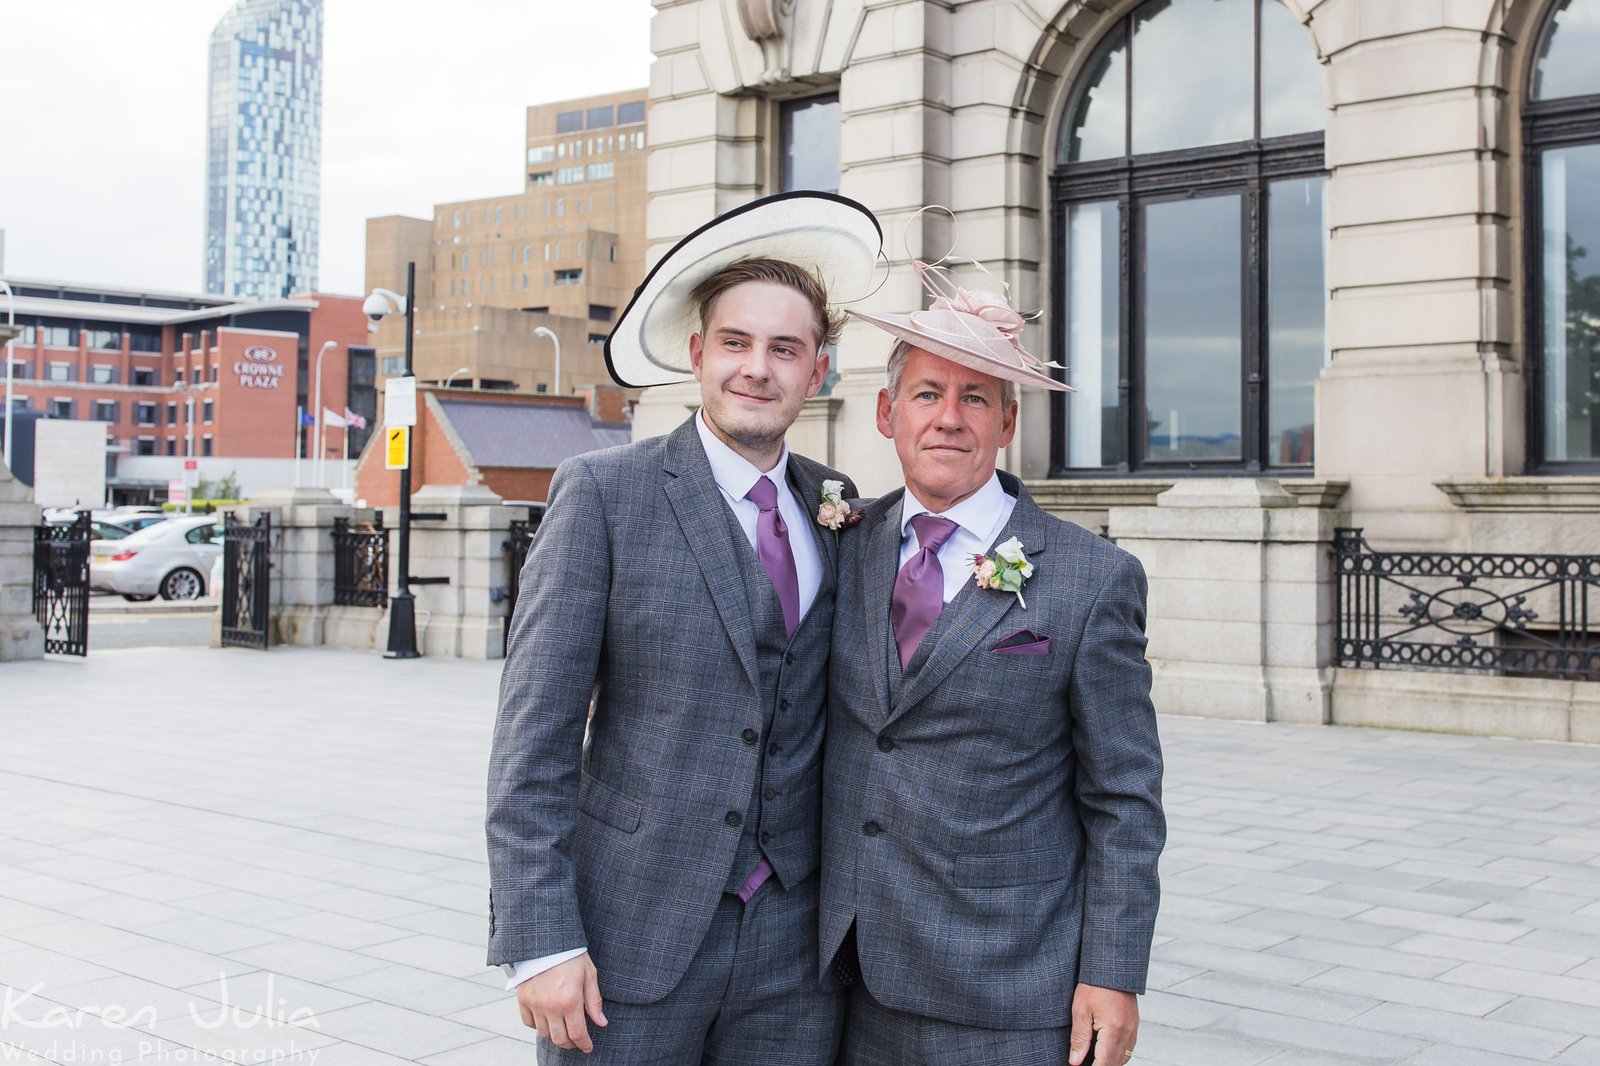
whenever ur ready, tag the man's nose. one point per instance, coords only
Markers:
(949, 414)
(757, 364)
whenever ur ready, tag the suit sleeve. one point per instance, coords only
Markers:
(552, 657)
(1118, 784)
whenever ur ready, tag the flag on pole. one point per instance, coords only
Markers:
(331, 419)
(306, 419)
(353, 420)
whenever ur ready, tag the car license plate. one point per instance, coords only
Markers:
(101, 559)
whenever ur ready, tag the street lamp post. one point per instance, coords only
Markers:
(453, 373)
(322, 450)
(546, 331)
(402, 606)
(11, 334)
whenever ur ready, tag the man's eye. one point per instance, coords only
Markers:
(926, 396)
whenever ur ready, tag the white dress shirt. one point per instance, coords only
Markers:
(734, 475)
(979, 519)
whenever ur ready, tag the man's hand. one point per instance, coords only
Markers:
(554, 1003)
(1111, 1018)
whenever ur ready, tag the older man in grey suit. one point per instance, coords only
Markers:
(658, 878)
(992, 815)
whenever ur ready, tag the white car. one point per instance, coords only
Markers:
(171, 559)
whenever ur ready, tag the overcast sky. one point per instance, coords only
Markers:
(102, 137)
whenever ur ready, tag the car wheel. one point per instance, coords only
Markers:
(137, 598)
(182, 584)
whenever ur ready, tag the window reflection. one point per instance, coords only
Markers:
(1093, 422)
(1567, 65)
(1099, 108)
(1571, 310)
(1291, 78)
(1191, 329)
(1296, 304)
(1193, 73)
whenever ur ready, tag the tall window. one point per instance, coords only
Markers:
(809, 133)
(1562, 150)
(1188, 202)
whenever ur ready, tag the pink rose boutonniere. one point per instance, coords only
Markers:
(835, 512)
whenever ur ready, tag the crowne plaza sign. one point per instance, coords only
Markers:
(259, 369)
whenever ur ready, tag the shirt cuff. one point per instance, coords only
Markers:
(534, 967)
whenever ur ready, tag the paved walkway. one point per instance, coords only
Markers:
(278, 858)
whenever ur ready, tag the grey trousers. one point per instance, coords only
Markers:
(876, 1035)
(750, 996)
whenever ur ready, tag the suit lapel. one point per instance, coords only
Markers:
(703, 517)
(806, 483)
(974, 613)
(882, 564)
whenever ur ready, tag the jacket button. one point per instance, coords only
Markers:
(769, 794)
(783, 705)
(733, 818)
(788, 658)
(750, 736)
(772, 749)
(885, 744)
(766, 838)
(872, 829)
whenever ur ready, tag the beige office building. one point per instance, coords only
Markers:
(563, 253)
(1313, 265)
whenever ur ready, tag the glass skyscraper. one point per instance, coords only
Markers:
(264, 149)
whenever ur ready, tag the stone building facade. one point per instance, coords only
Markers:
(1312, 264)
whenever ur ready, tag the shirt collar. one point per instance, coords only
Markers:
(979, 514)
(733, 473)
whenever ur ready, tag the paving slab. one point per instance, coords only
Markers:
(302, 846)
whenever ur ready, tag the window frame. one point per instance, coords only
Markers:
(1244, 168)
(1561, 122)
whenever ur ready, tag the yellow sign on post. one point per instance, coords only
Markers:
(397, 450)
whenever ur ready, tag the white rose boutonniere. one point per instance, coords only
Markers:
(1005, 570)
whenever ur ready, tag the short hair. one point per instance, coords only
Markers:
(900, 354)
(806, 282)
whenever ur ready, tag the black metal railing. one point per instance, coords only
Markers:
(360, 563)
(1527, 615)
(61, 584)
(515, 547)
(246, 582)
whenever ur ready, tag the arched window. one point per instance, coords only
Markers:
(1188, 221)
(1561, 142)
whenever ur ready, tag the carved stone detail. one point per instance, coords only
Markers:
(766, 22)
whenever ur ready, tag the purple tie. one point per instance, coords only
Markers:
(919, 587)
(772, 548)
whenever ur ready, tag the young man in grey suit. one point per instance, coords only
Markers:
(654, 883)
(992, 814)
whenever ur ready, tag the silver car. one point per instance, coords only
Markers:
(171, 559)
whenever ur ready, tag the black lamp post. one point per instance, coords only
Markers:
(403, 607)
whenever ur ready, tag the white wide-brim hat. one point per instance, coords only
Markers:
(832, 235)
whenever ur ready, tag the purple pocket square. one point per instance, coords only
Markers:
(1023, 642)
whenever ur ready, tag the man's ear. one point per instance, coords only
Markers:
(696, 352)
(884, 405)
(1008, 428)
(819, 374)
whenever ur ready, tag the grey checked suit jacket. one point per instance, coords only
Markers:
(634, 590)
(992, 820)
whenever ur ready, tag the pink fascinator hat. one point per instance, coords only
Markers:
(979, 330)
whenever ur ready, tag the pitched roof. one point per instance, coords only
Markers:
(527, 436)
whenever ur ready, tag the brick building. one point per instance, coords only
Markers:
(179, 374)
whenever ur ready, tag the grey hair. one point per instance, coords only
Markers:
(900, 354)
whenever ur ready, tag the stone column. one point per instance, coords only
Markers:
(466, 618)
(302, 559)
(1241, 598)
(20, 635)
